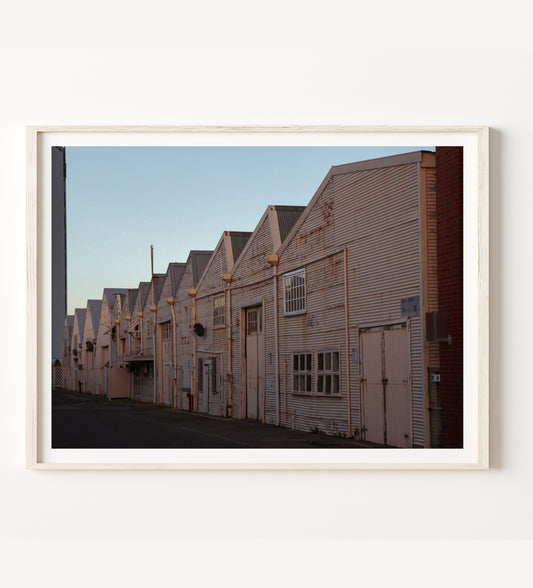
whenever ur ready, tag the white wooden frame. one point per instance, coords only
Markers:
(480, 232)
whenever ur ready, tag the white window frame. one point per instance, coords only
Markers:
(305, 373)
(325, 373)
(286, 312)
(219, 320)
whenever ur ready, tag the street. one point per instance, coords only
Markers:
(85, 421)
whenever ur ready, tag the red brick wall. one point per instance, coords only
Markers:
(450, 277)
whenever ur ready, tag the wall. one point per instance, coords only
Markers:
(319, 73)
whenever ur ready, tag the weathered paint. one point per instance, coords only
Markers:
(184, 308)
(252, 285)
(213, 348)
(110, 379)
(372, 210)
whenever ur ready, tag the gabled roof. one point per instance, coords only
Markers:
(238, 242)
(80, 314)
(142, 293)
(285, 218)
(198, 261)
(159, 280)
(175, 272)
(109, 295)
(346, 168)
(94, 307)
(131, 297)
(69, 320)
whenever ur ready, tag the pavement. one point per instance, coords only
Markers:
(83, 421)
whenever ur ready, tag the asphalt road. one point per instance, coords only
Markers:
(90, 422)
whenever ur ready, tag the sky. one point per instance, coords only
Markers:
(121, 200)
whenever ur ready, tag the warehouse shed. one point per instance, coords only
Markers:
(214, 345)
(357, 279)
(166, 336)
(185, 309)
(252, 316)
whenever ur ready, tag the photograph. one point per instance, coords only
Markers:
(257, 297)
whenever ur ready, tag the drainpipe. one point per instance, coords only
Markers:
(171, 302)
(153, 308)
(192, 294)
(273, 260)
(348, 388)
(128, 317)
(229, 399)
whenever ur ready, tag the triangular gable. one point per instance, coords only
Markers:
(79, 321)
(346, 168)
(198, 261)
(281, 220)
(94, 308)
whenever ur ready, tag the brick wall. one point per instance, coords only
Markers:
(450, 279)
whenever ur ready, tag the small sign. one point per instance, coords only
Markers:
(410, 306)
(435, 377)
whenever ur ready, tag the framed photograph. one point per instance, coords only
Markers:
(257, 297)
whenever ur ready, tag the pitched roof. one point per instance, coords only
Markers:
(287, 218)
(175, 271)
(142, 293)
(80, 314)
(238, 242)
(109, 295)
(69, 320)
(198, 261)
(94, 308)
(131, 297)
(159, 280)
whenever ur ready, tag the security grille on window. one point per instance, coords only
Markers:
(302, 372)
(294, 291)
(328, 373)
(219, 306)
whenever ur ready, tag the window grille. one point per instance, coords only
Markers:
(294, 292)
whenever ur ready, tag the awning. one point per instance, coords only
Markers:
(135, 358)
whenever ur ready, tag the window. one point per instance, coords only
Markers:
(328, 373)
(219, 307)
(166, 330)
(294, 292)
(302, 372)
(148, 328)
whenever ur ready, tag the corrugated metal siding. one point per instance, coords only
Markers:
(252, 279)
(375, 215)
(214, 344)
(184, 319)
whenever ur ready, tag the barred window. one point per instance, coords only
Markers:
(302, 372)
(219, 307)
(294, 292)
(328, 373)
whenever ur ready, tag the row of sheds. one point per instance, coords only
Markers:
(324, 318)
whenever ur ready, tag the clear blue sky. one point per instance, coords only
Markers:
(121, 200)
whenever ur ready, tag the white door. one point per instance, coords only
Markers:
(384, 359)
(254, 362)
